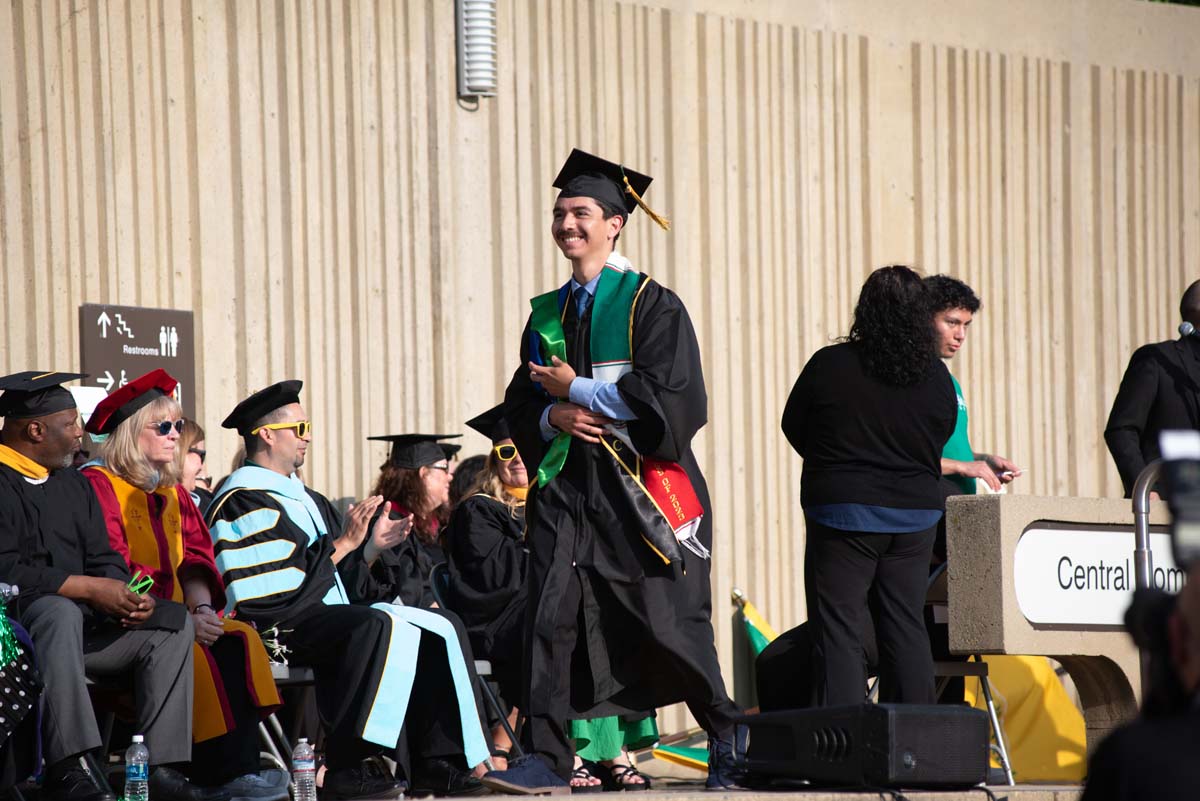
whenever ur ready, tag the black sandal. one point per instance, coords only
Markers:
(582, 772)
(616, 779)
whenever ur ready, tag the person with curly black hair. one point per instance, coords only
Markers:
(869, 415)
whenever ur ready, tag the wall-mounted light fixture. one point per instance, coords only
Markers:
(476, 28)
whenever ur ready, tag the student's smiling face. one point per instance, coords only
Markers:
(580, 230)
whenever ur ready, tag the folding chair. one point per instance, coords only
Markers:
(276, 744)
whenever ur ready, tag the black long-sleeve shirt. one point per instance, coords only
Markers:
(50, 531)
(864, 441)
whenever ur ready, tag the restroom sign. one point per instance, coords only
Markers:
(119, 343)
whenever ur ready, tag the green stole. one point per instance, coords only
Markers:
(611, 345)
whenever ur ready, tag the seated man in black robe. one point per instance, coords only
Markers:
(76, 604)
(379, 669)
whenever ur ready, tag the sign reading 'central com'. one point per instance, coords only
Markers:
(1072, 576)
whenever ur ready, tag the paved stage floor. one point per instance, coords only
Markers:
(683, 784)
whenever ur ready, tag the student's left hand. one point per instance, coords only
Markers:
(555, 379)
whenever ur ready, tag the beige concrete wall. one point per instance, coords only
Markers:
(301, 175)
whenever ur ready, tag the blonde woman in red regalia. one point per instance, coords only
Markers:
(153, 523)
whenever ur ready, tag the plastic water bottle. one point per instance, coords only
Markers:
(304, 771)
(137, 771)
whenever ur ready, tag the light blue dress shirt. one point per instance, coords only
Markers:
(601, 397)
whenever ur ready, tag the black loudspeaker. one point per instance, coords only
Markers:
(876, 745)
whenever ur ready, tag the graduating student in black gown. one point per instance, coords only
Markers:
(619, 615)
(485, 549)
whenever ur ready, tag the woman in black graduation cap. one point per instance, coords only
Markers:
(416, 479)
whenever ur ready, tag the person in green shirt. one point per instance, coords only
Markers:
(954, 306)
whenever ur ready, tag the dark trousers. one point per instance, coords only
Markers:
(783, 672)
(345, 646)
(546, 734)
(841, 570)
(160, 662)
(235, 753)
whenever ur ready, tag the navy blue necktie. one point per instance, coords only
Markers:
(583, 299)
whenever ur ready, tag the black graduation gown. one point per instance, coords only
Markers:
(403, 572)
(48, 532)
(647, 639)
(345, 644)
(484, 543)
(55, 529)
(394, 577)
(315, 561)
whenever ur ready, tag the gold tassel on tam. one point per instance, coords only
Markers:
(663, 222)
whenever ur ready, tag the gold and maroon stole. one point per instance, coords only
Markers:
(211, 712)
(141, 538)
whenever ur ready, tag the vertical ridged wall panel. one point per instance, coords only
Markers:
(300, 174)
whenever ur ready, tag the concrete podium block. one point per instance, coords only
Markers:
(987, 616)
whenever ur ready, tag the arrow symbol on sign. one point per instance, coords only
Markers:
(106, 381)
(104, 321)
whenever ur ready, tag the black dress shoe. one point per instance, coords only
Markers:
(74, 784)
(442, 777)
(369, 781)
(168, 784)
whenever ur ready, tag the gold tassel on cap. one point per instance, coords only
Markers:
(663, 222)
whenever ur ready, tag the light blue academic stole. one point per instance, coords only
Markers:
(298, 505)
(394, 689)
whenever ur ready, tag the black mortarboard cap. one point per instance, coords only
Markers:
(35, 394)
(491, 424)
(416, 450)
(262, 403)
(450, 450)
(585, 175)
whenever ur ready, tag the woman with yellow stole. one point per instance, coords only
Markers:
(154, 524)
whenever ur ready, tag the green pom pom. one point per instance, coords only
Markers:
(10, 649)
